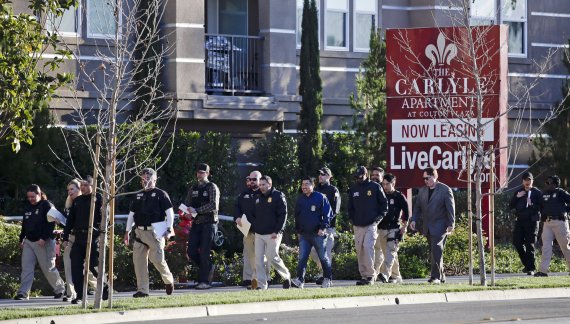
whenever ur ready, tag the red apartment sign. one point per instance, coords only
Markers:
(433, 106)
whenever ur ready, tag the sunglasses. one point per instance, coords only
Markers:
(427, 178)
(251, 179)
(527, 179)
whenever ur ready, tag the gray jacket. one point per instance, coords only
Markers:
(437, 213)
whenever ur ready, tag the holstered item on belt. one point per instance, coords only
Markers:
(550, 218)
(399, 237)
(139, 240)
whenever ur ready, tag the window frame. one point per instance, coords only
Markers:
(376, 18)
(524, 21)
(345, 48)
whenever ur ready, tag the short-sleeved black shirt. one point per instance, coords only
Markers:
(150, 206)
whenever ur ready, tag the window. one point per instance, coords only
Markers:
(483, 12)
(67, 25)
(514, 15)
(101, 21)
(364, 23)
(300, 20)
(336, 24)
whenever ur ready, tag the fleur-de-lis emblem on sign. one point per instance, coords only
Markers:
(442, 54)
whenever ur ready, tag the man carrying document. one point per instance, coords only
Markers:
(245, 205)
(152, 214)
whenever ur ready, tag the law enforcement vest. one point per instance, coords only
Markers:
(553, 204)
(200, 196)
(146, 206)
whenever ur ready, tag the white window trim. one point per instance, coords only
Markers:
(338, 48)
(298, 41)
(78, 19)
(524, 54)
(100, 36)
(354, 31)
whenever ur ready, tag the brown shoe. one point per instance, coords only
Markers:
(254, 284)
(169, 289)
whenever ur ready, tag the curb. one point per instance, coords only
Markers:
(295, 305)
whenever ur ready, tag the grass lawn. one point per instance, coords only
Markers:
(246, 296)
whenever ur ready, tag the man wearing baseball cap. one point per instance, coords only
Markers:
(526, 203)
(203, 200)
(367, 205)
(333, 195)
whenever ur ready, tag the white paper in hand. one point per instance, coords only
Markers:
(159, 229)
(245, 225)
(186, 210)
(54, 215)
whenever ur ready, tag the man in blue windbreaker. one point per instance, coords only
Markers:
(312, 218)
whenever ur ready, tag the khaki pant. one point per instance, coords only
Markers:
(265, 246)
(153, 251)
(70, 289)
(329, 244)
(249, 256)
(32, 253)
(386, 254)
(364, 240)
(550, 230)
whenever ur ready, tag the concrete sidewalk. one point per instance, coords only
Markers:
(279, 306)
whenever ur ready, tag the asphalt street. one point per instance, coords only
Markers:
(554, 310)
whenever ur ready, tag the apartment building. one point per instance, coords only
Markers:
(235, 63)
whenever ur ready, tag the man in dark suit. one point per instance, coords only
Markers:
(436, 207)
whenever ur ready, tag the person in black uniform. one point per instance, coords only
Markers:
(38, 244)
(391, 230)
(153, 216)
(78, 225)
(526, 203)
(367, 205)
(203, 200)
(268, 219)
(333, 195)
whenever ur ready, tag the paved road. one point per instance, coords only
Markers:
(44, 302)
(529, 310)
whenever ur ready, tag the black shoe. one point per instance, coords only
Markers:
(381, 278)
(319, 280)
(20, 297)
(58, 296)
(105, 292)
(140, 294)
(76, 301)
(361, 282)
(169, 289)
(246, 283)
(287, 284)
(541, 274)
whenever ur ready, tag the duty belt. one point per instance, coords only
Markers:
(145, 227)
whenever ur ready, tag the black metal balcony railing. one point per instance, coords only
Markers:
(233, 64)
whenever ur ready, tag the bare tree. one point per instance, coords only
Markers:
(133, 114)
(479, 79)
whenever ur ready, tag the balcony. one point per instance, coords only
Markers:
(233, 64)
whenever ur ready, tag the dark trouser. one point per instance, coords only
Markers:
(306, 242)
(77, 255)
(524, 239)
(199, 246)
(436, 246)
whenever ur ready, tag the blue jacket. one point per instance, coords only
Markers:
(312, 213)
